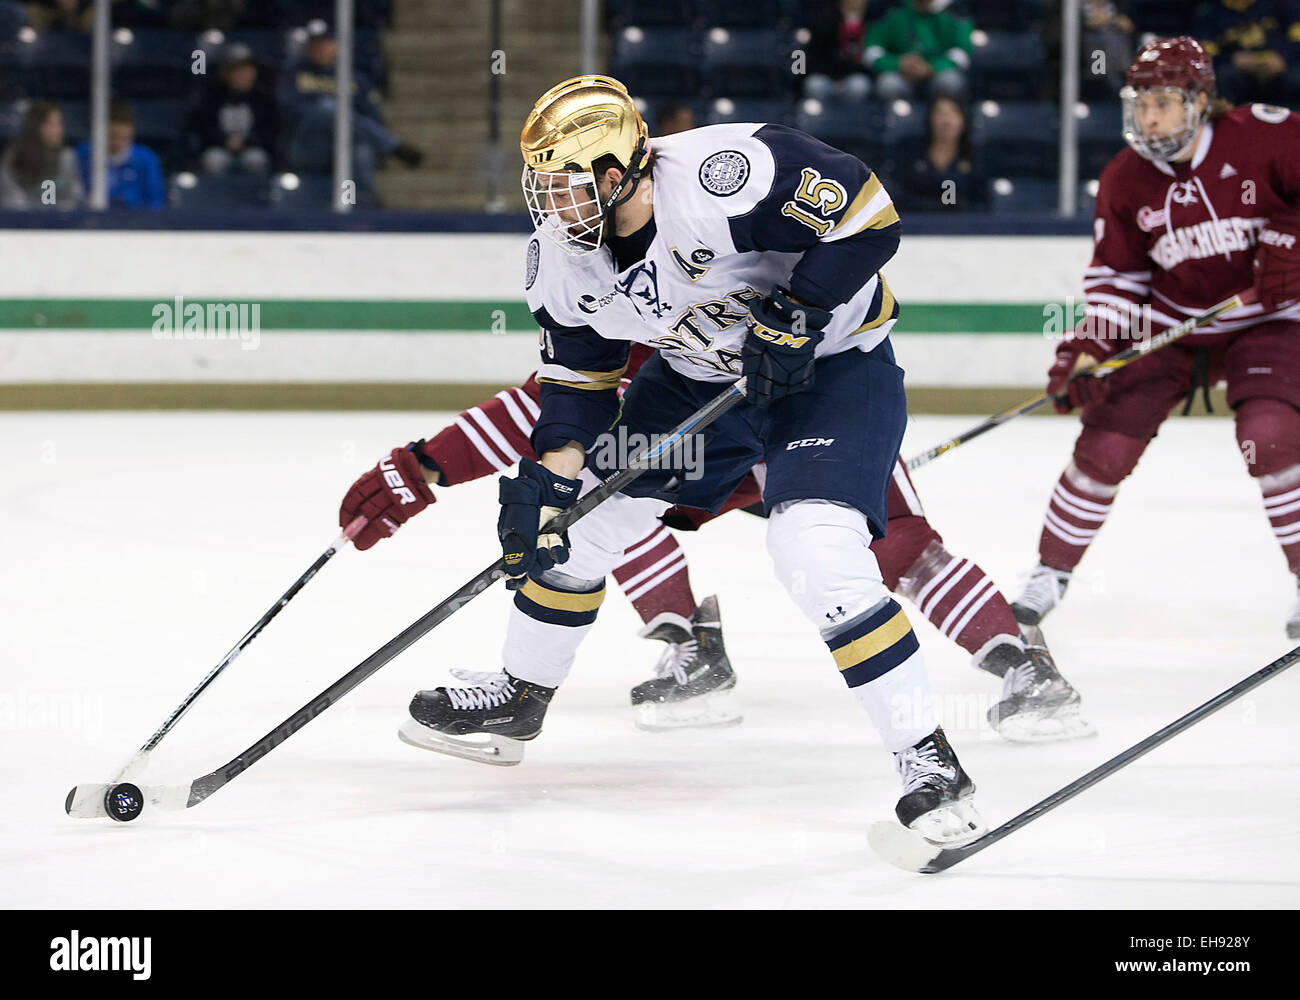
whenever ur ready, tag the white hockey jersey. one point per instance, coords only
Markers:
(738, 210)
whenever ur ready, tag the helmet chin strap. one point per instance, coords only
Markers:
(633, 176)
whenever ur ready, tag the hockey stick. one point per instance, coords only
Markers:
(89, 800)
(1139, 350)
(910, 851)
(186, 796)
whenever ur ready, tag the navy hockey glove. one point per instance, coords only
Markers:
(777, 356)
(527, 502)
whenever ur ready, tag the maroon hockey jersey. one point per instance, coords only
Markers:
(1182, 236)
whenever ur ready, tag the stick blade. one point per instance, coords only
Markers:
(86, 802)
(904, 848)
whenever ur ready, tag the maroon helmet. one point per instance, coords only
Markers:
(1179, 64)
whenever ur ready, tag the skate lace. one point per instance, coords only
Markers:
(919, 766)
(491, 688)
(674, 660)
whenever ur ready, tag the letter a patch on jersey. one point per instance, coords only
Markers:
(694, 271)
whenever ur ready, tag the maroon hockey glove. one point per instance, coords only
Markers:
(1068, 393)
(388, 496)
(1277, 264)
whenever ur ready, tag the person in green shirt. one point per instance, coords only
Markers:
(918, 50)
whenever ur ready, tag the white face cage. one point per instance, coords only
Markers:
(565, 207)
(1168, 147)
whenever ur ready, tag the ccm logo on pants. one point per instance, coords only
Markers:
(810, 443)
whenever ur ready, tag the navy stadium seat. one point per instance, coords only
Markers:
(1016, 138)
(902, 135)
(53, 65)
(1100, 137)
(218, 191)
(1022, 194)
(1003, 15)
(1007, 65)
(749, 14)
(657, 62)
(659, 14)
(270, 46)
(853, 126)
(749, 62)
(313, 192)
(155, 62)
(778, 111)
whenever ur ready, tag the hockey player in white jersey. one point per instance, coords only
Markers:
(736, 251)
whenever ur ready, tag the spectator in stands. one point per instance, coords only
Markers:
(917, 49)
(1105, 44)
(673, 118)
(1252, 43)
(835, 53)
(38, 170)
(236, 122)
(135, 177)
(307, 96)
(945, 178)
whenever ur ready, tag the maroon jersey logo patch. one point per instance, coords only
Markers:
(1149, 218)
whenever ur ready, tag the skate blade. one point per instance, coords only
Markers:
(501, 751)
(709, 711)
(951, 824)
(1031, 728)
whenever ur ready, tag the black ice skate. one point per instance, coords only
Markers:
(938, 796)
(488, 721)
(1038, 705)
(1043, 591)
(694, 684)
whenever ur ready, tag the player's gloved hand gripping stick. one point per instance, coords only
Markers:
(124, 801)
(1102, 368)
(101, 800)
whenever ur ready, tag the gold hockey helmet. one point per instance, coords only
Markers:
(572, 126)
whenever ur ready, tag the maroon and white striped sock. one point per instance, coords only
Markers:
(1075, 514)
(958, 598)
(1281, 492)
(654, 576)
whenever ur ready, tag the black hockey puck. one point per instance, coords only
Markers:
(124, 802)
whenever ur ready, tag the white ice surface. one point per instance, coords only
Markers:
(138, 547)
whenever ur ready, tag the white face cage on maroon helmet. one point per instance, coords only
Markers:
(1162, 147)
(565, 207)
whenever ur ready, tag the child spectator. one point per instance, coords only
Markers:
(1252, 42)
(945, 178)
(236, 122)
(38, 170)
(835, 53)
(918, 49)
(135, 177)
(307, 97)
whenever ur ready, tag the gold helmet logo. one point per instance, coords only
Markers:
(580, 120)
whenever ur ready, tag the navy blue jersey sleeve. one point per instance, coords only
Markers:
(827, 205)
(579, 380)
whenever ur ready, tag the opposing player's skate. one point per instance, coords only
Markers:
(938, 795)
(488, 721)
(1043, 591)
(694, 684)
(1038, 704)
(1293, 622)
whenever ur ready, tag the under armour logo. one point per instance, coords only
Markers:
(837, 614)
